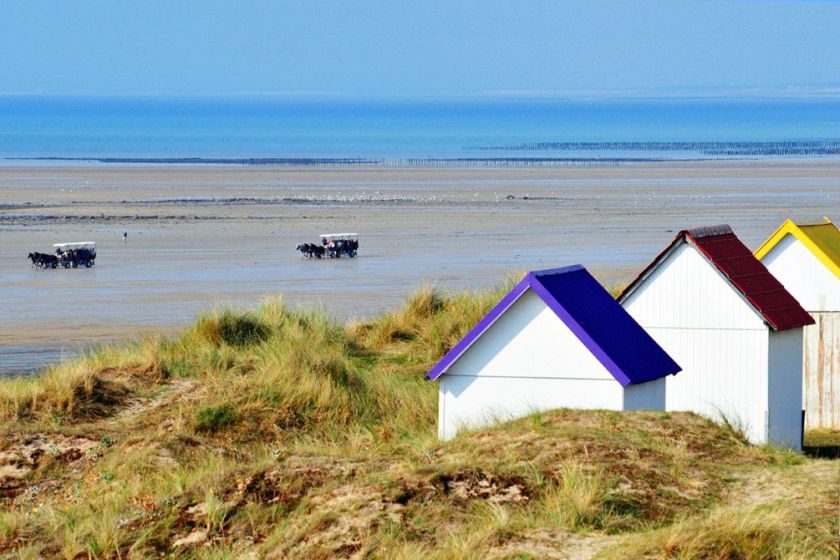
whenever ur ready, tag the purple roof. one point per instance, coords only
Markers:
(605, 328)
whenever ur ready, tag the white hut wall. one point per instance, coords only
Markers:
(527, 361)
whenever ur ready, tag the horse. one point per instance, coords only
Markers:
(305, 250)
(310, 250)
(49, 261)
(43, 260)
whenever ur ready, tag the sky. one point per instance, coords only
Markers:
(393, 49)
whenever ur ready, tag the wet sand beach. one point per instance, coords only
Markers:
(204, 235)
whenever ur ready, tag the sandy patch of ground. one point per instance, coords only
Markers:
(23, 456)
(169, 394)
(794, 484)
(555, 545)
(343, 519)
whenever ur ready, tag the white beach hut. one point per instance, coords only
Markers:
(733, 328)
(558, 339)
(806, 260)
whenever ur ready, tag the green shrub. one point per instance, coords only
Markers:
(234, 329)
(214, 418)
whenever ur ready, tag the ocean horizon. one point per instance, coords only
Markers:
(477, 130)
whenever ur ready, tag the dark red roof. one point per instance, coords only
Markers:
(747, 274)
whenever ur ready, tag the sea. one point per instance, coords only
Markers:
(489, 131)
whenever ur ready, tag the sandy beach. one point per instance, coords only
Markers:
(205, 235)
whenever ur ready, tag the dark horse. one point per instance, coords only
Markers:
(310, 250)
(43, 260)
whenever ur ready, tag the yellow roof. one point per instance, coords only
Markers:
(823, 240)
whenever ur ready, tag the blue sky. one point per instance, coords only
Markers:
(384, 49)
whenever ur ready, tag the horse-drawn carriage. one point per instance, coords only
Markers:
(333, 245)
(67, 255)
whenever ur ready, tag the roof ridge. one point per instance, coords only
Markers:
(702, 232)
(558, 270)
(826, 222)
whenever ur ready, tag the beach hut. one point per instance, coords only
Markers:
(558, 339)
(733, 328)
(806, 260)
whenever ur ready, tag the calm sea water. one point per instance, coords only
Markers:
(32, 127)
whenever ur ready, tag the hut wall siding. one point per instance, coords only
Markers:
(821, 372)
(473, 402)
(804, 275)
(724, 376)
(719, 340)
(784, 422)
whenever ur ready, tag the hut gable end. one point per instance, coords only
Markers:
(679, 293)
(732, 326)
(804, 275)
(736, 268)
(822, 240)
(587, 311)
(529, 341)
(806, 260)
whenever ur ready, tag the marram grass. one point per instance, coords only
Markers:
(281, 433)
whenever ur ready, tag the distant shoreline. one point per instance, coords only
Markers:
(383, 162)
(567, 153)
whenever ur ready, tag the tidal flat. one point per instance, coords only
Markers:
(199, 236)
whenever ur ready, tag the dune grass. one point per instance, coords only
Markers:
(282, 433)
(766, 532)
(822, 443)
(82, 387)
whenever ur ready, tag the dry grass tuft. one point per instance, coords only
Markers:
(89, 387)
(579, 499)
(823, 443)
(763, 533)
